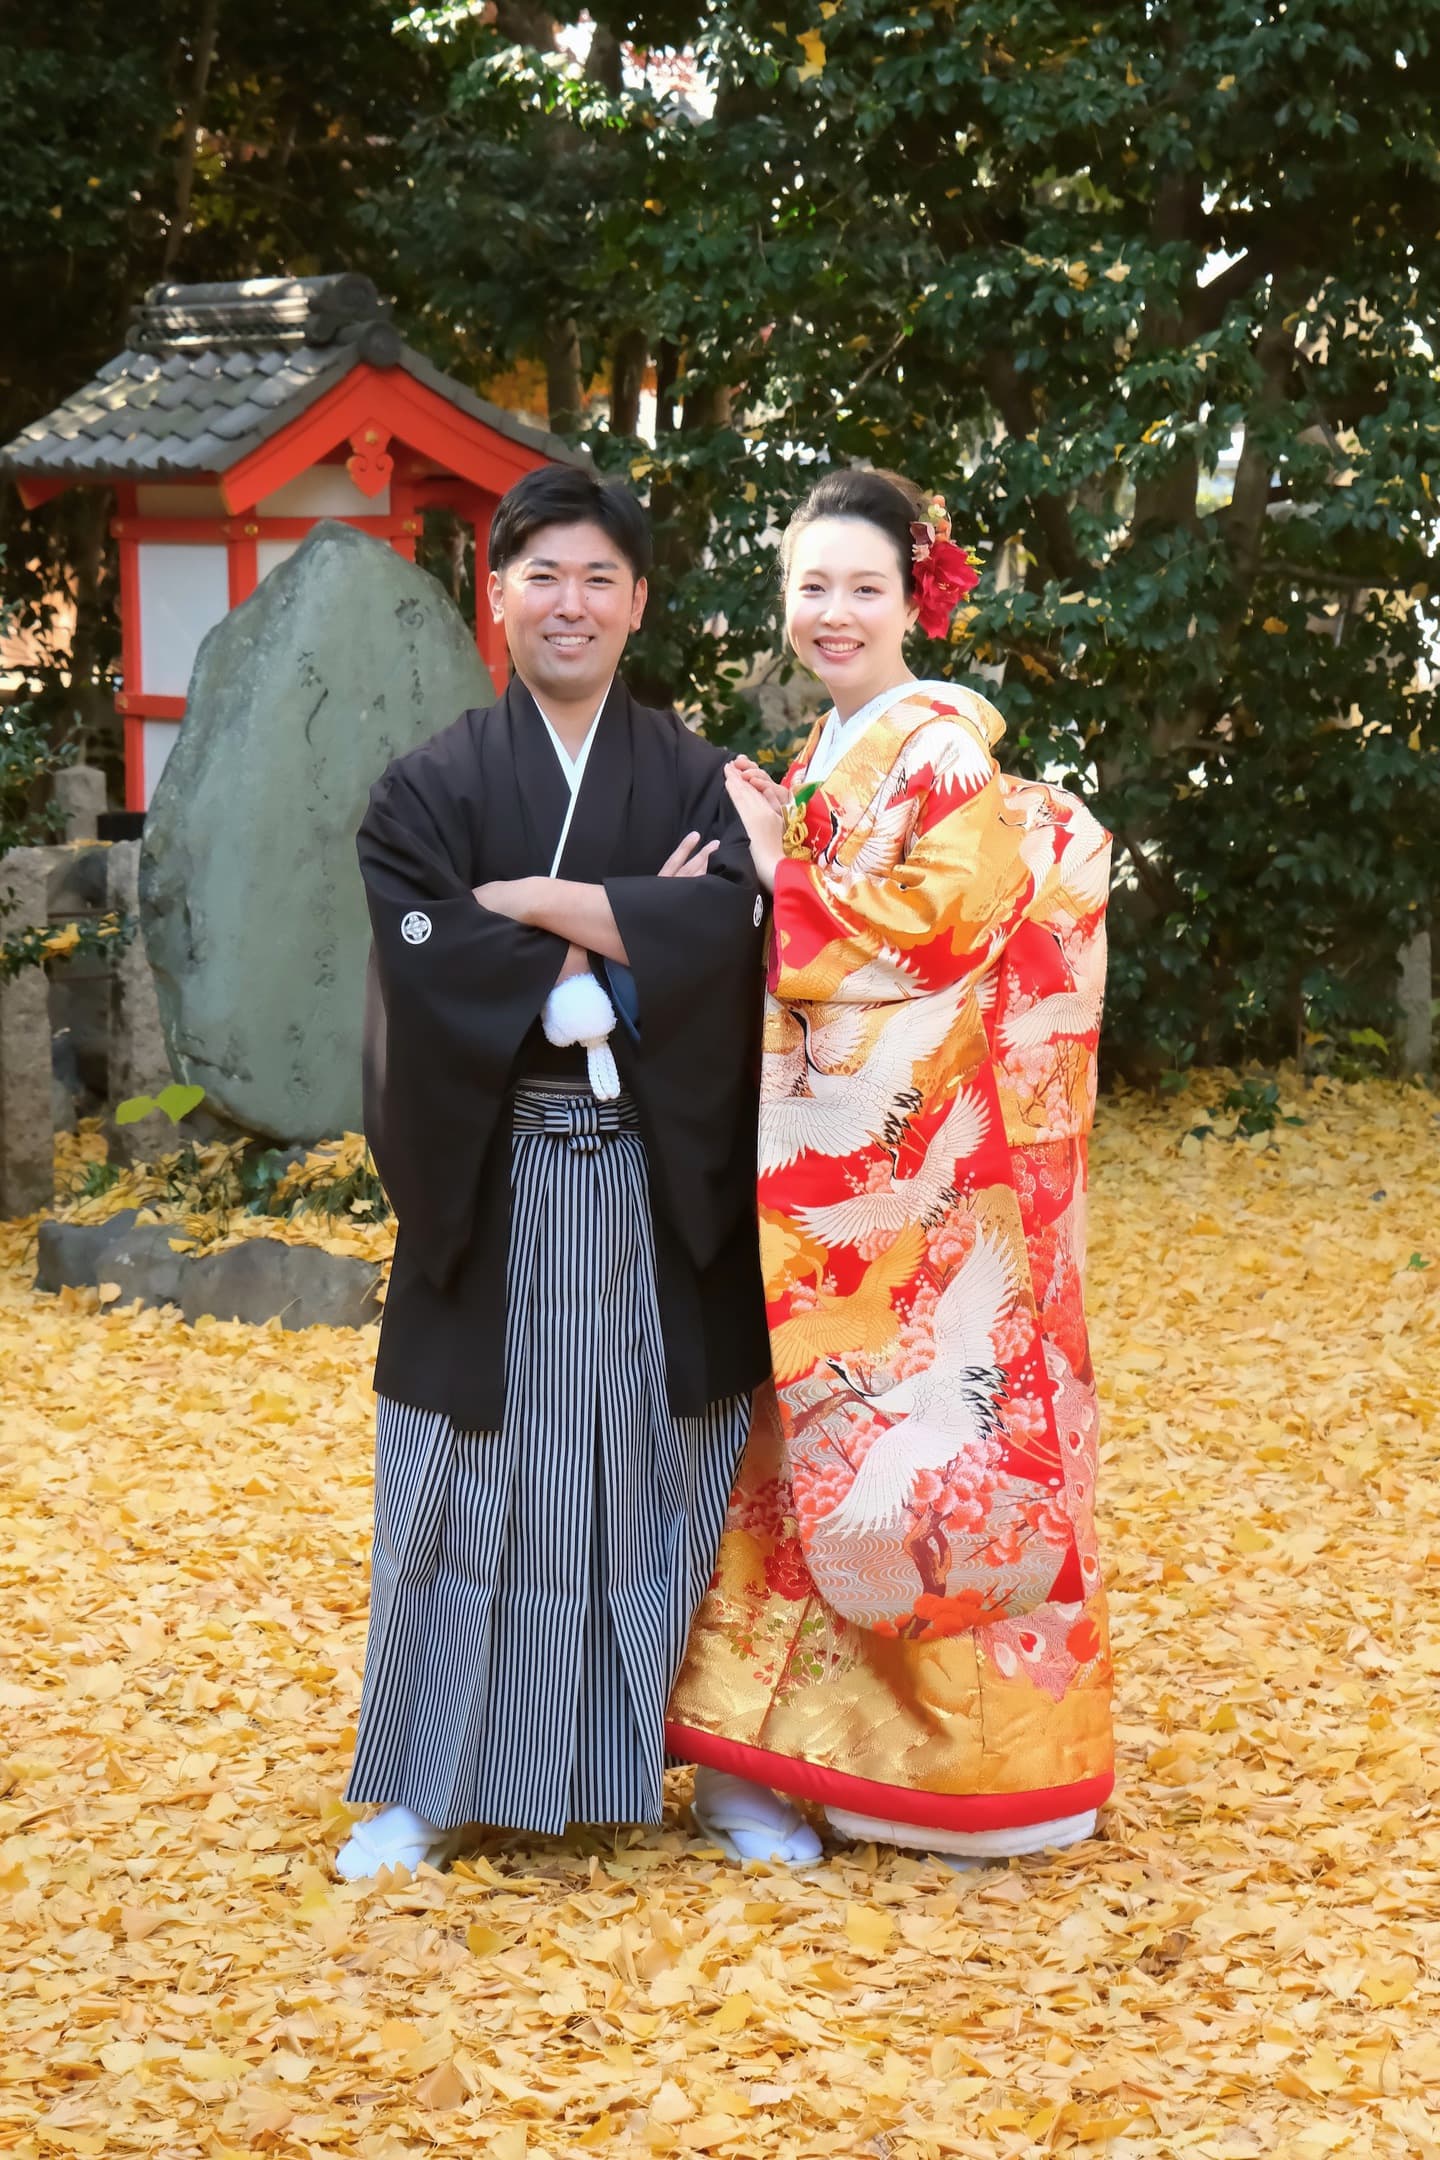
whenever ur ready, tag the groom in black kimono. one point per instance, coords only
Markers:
(575, 1319)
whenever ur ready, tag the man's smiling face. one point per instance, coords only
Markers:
(569, 601)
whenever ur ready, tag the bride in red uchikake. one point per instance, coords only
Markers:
(906, 1623)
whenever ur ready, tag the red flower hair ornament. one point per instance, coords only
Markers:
(943, 573)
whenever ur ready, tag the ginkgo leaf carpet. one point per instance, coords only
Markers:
(1245, 1963)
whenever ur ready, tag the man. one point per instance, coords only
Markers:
(575, 1320)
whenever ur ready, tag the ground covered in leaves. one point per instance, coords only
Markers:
(1246, 1962)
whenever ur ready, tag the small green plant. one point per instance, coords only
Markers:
(1257, 1104)
(260, 1172)
(1348, 1053)
(176, 1102)
(99, 1177)
(1363, 1054)
(359, 1193)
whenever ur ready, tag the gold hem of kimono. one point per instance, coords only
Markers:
(931, 1717)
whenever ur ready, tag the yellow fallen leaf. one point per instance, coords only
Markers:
(868, 1929)
(733, 2014)
(121, 2056)
(671, 2105)
(443, 2089)
(397, 2035)
(483, 1941)
(1389, 1984)
(209, 2066)
(267, 1403)
(1321, 2071)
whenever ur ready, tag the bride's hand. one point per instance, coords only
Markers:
(764, 824)
(757, 777)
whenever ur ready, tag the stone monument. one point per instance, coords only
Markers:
(253, 912)
(27, 1171)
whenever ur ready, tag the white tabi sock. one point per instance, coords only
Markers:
(750, 1822)
(396, 1837)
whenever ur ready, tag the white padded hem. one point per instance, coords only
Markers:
(1005, 1844)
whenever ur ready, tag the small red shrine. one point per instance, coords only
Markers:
(237, 417)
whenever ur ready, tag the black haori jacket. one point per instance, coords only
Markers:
(452, 1025)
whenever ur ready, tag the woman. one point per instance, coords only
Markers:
(907, 1623)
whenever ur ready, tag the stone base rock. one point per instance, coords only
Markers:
(250, 896)
(133, 1254)
(80, 792)
(264, 1279)
(69, 1253)
(138, 1061)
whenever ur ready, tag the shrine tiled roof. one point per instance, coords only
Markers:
(210, 371)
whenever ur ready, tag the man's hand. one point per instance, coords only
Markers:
(686, 862)
(577, 962)
(509, 896)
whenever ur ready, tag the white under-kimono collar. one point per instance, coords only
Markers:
(572, 767)
(840, 736)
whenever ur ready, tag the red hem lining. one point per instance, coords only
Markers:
(887, 1803)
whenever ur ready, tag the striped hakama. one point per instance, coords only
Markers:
(532, 1587)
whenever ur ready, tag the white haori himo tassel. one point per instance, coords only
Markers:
(578, 1011)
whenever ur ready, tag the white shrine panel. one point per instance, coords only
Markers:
(159, 741)
(184, 591)
(323, 491)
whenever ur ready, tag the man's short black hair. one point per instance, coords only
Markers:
(564, 495)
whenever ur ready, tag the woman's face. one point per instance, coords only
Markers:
(846, 613)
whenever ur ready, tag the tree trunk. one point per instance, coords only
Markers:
(94, 715)
(707, 405)
(605, 61)
(1414, 997)
(627, 380)
(667, 372)
(205, 37)
(562, 376)
(1170, 499)
(526, 25)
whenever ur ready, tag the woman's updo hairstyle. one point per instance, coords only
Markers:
(885, 499)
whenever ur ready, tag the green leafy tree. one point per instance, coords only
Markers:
(1145, 293)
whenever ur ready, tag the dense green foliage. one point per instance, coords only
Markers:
(1145, 291)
